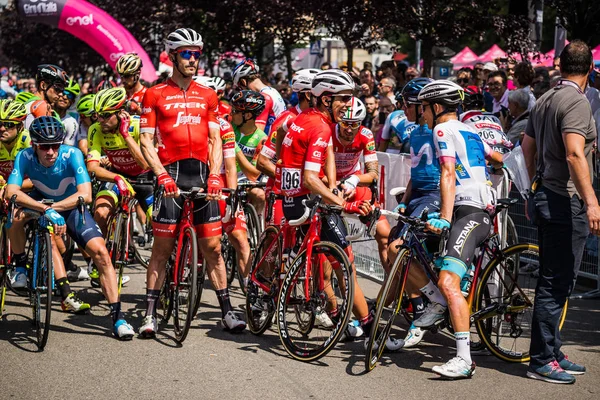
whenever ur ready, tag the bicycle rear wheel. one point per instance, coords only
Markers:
(302, 339)
(260, 304)
(185, 290)
(201, 276)
(135, 247)
(228, 253)
(254, 232)
(504, 303)
(384, 317)
(41, 293)
(116, 242)
(3, 268)
(165, 298)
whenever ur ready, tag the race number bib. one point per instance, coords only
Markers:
(290, 178)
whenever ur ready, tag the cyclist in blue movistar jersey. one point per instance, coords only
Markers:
(58, 173)
(421, 192)
(398, 126)
(467, 199)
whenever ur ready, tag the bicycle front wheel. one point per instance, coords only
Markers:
(503, 311)
(3, 267)
(254, 232)
(42, 291)
(185, 289)
(327, 288)
(385, 314)
(115, 238)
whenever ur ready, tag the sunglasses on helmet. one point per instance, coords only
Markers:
(8, 124)
(187, 54)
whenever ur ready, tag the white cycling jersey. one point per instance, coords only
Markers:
(458, 143)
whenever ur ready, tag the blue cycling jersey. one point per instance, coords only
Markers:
(397, 124)
(425, 165)
(56, 182)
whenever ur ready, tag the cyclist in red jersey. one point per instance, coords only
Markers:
(350, 141)
(299, 171)
(267, 158)
(181, 117)
(246, 76)
(129, 68)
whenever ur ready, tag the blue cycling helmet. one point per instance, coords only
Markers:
(410, 91)
(47, 130)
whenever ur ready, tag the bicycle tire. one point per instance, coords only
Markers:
(228, 253)
(133, 246)
(516, 292)
(43, 290)
(378, 336)
(254, 232)
(512, 236)
(326, 338)
(184, 293)
(260, 305)
(200, 278)
(117, 251)
(165, 298)
(3, 268)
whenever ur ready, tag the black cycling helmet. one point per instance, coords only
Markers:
(51, 74)
(47, 130)
(473, 98)
(410, 91)
(248, 101)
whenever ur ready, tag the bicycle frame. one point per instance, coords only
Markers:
(126, 206)
(185, 222)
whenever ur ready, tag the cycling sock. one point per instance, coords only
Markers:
(224, 302)
(20, 260)
(366, 323)
(418, 306)
(433, 293)
(151, 298)
(64, 287)
(115, 311)
(463, 345)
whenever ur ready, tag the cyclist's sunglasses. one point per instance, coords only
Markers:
(58, 88)
(68, 95)
(463, 80)
(187, 54)
(348, 124)
(343, 97)
(106, 115)
(9, 124)
(48, 146)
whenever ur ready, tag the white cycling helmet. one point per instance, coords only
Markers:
(244, 69)
(203, 80)
(183, 37)
(356, 112)
(302, 81)
(218, 83)
(442, 92)
(331, 81)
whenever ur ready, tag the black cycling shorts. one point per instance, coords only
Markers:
(187, 174)
(470, 227)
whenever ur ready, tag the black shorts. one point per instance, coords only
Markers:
(418, 202)
(187, 174)
(332, 225)
(470, 227)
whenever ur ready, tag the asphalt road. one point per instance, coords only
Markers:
(83, 361)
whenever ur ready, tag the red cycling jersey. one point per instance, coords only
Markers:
(224, 111)
(138, 96)
(228, 143)
(304, 148)
(347, 158)
(180, 119)
(283, 121)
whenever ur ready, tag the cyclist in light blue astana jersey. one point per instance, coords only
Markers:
(58, 173)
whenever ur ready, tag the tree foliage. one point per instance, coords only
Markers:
(581, 18)
(252, 26)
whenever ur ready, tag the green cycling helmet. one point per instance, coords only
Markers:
(26, 97)
(85, 105)
(73, 87)
(13, 111)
